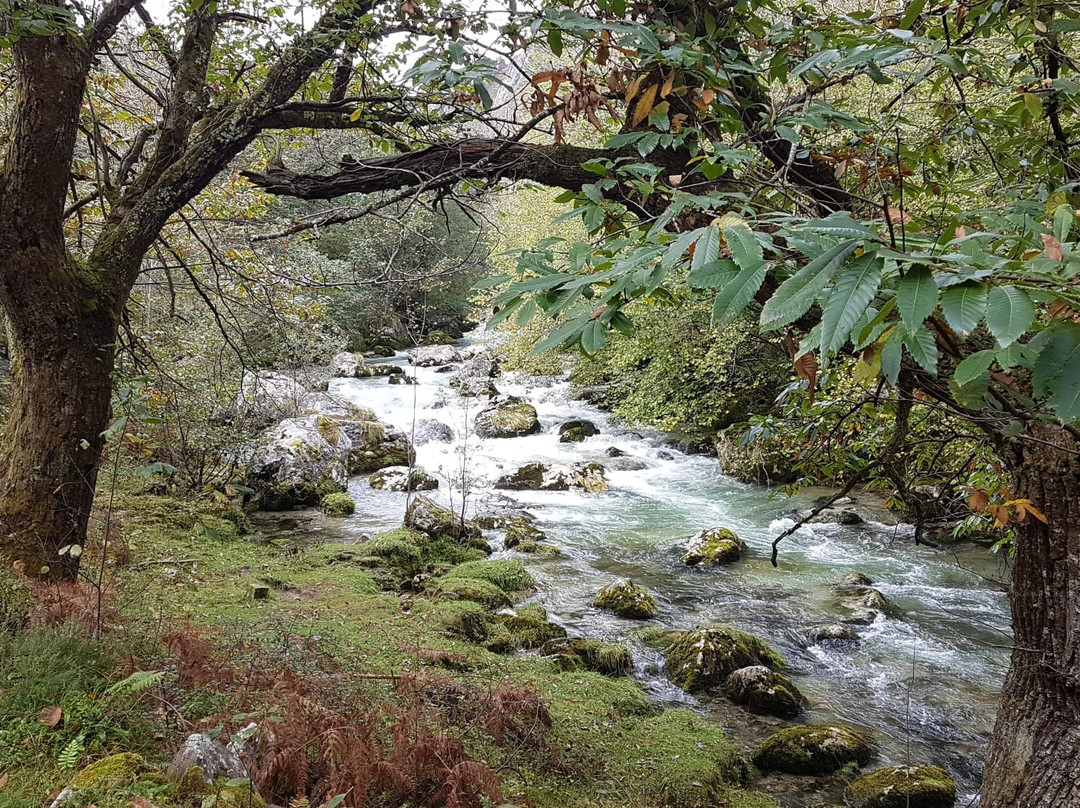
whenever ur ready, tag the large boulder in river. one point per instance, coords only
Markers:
(713, 547)
(374, 444)
(474, 378)
(817, 749)
(583, 476)
(428, 430)
(344, 365)
(432, 355)
(863, 603)
(403, 478)
(576, 431)
(303, 460)
(627, 599)
(707, 656)
(426, 516)
(764, 691)
(511, 420)
(903, 787)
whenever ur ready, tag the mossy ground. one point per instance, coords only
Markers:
(614, 749)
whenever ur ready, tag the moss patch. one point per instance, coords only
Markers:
(713, 548)
(819, 749)
(903, 787)
(610, 659)
(627, 599)
(509, 575)
(338, 504)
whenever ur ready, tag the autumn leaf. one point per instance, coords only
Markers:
(978, 500)
(1052, 247)
(644, 105)
(51, 716)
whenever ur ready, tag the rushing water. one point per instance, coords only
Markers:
(923, 680)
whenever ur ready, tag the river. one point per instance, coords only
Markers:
(923, 681)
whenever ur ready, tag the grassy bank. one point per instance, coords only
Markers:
(392, 688)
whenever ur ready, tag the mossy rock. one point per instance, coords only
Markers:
(577, 431)
(402, 478)
(713, 548)
(445, 552)
(903, 787)
(610, 659)
(509, 575)
(425, 516)
(438, 337)
(400, 547)
(529, 626)
(338, 504)
(507, 421)
(627, 599)
(538, 548)
(707, 656)
(818, 749)
(519, 529)
(764, 691)
(125, 768)
(656, 636)
(473, 589)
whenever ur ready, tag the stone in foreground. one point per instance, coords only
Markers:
(627, 599)
(818, 749)
(903, 787)
(707, 656)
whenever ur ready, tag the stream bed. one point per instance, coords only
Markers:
(923, 680)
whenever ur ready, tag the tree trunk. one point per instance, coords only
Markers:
(63, 355)
(1034, 757)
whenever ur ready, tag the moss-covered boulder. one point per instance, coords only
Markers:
(402, 478)
(713, 547)
(123, 769)
(627, 599)
(831, 634)
(818, 749)
(538, 548)
(338, 504)
(903, 787)
(529, 626)
(519, 529)
(707, 656)
(656, 636)
(610, 659)
(529, 477)
(507, 421)
(584, 476)
(399, 547)
(576, 431)
(426, 516)
(509, 575)
(764, 691)
(863, 604)
(767, 461)
(473, 589)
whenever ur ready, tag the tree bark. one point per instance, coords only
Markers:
(1034, 756)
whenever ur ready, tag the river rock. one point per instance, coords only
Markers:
(583, 476)
(427, 517)
(211, 758)
(576, 431)
(903, 787)
(614, 451)
(610, 659)
(836, 516)
(402, 478)
(382, 350)
(713, 547)
(864, 604)
(831, 634)
(627, 599)
(705, 657)
(511, 420)
(764, 691)
(344, 365)
(625, 463)
(364, 371)
(428, 430)
(818, 749)
(428, 356)
(518, 529)
(474, 378)
(852, 579)
(303, 460)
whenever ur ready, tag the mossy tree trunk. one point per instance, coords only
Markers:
(1034, 757)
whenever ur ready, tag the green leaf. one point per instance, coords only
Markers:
(736, 294)
(923, 348)
(798, 292)
(677, 249)
(593, 337)
(1062, 356)
(1009, 314)
(973, 367)
(566, 333)
(554, 38)
(713, 275)
(743, 245)
(872, 329)
(911, 13)
(840, 224)
(964, 305)
(706, 248)
(916, 297)
(1064, 216)
(891, 354)
(853, 291)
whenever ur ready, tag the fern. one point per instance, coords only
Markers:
(72, 753)
(138, 682)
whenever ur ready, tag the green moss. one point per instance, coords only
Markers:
(518, 529)
(610, 659)
(446, 551)
(627, 599)
(903, 787)
(529, 627)
(706, 656)
(122, 769)
(711, 548)
(338, 504)
(818, 749)
(764, 691)
(329, 429)
(16, 600)
(507, 574)
(656, 636)
(400, 547)
(474, 589)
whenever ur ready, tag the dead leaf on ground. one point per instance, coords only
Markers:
(51, 716)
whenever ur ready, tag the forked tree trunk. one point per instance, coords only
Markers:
(63, 356)
(1034, 758)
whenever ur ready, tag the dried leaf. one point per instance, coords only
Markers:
(644, 105)
(632, 90)
(978, 501)
(1052, 247)
(665, 91)
(51, 716)
(3, 780)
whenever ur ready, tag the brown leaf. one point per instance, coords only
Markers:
(665, 91)
(978, 501)
(3, 780)
(644, 105)
(806, 367)
(51, 716)
(1052, 247)
(1060, 310)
